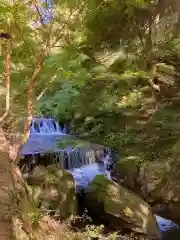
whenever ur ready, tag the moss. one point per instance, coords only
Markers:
(35, 193)
(128, 164)
(51, 179)
(122, 206)
(62, 181)
(54, 190)
(38, 176)
(100, 187)
(176, 149)
(126, 171)
(64, 174)
(34, 216)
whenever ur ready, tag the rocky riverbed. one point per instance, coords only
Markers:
(119, 209)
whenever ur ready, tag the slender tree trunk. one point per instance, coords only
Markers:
(30, 100)
(46, 88)
(7, 79)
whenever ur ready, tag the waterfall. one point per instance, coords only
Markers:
(46, 126)
(45, 135)
(76, 158)
(86, 155)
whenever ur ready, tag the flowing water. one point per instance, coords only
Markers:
(80, 161)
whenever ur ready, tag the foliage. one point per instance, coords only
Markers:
(98, 70)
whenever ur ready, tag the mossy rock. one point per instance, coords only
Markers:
(67, 193)
(38, 175)
(59, 192)
(126, 171)
(158, 183)
(176, 151)
(152, 177)
(35, 193)
(123, 207)
(53, 189)
(127, 163)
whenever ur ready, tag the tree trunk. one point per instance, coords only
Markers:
(30, 100)
(7, 79)
(12, 180)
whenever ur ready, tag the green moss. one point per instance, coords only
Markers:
(63, 174)
(129, 163)
(34, 216)
(35, 193)
(118, 203)
(56, 192)
(100, 187)
(38, 175)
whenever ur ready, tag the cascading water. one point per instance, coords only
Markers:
(46, 125)
(45, 136)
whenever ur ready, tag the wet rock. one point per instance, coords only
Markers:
(121, 208)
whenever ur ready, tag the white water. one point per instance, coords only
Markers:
(46, 126)
(83, 176)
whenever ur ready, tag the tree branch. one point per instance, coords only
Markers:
(46, 88)
(40, 16)
(66, 23)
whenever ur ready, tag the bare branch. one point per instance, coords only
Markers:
(40, 15)
(46, 88)
(141, 38)
(61, 31)
(79, 11)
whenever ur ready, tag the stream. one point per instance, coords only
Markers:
(46, 132)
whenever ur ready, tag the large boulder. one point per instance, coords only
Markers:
(126, 171)
(121, 208)
(157, 182)
(144, 178)
(37, 176)
(53, 189)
